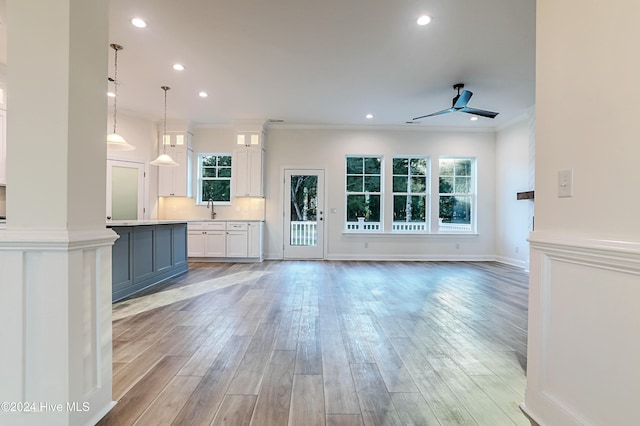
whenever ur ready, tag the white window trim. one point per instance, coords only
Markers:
(474, 190)
(410, 226)
(371, 227)
(200, 179)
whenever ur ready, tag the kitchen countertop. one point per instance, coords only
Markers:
(113, 223)
(225, 220)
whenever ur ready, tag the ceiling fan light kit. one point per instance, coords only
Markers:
(459, 103)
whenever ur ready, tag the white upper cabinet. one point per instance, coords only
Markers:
(3, 147)
(248, 165)
(177, 181)
(3, 134)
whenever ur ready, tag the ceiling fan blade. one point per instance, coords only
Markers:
(461, 100)
(480, 112)
(444, 111)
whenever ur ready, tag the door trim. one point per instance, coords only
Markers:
(143, 210)
(283, 208)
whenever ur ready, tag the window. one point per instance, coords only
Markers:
(457, 194)
(363, 193)
(214, 177)
(410, 193)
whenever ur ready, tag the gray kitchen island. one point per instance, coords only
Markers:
(146, 253)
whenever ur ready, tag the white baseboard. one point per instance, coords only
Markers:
(523, 264)
(401, 258)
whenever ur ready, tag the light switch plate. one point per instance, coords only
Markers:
(565, 183)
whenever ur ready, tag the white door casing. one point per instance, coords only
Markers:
(303, 214)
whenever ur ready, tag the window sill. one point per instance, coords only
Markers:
(382, 234)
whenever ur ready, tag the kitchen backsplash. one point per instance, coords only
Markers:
(186, 208)
(3, 200)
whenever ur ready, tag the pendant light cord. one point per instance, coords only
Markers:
(115, 47)
(164, 130)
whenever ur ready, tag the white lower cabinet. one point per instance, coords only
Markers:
(215, 244)
(225, 240)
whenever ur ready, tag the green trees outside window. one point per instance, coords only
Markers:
(410, 189)
(456, 190)
(364, 188)
(214, 177)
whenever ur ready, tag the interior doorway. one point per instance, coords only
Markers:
(125, 190)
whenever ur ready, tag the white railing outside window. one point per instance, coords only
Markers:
(363, 226)
(409, 226)
(454, 227)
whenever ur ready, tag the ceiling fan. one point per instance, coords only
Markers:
(460, 104)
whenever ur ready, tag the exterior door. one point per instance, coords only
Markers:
(303, 214)
(125, 190)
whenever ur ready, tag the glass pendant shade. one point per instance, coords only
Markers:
(115, 142)
(164, 160)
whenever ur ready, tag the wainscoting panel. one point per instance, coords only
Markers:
(55, 304)
(583, 331)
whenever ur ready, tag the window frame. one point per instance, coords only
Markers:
(443, 228)
(365, 226)
(412, 226)
(201, 179)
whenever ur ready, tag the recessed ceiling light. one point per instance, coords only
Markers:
(178, 67)
(369, 116)
(138, 22)
(424, 20)
(203, 94)
(474, 118)
(111, 94)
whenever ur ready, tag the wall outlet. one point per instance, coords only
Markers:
(565, 183)
(457, 246)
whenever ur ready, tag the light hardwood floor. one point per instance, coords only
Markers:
(324, 343)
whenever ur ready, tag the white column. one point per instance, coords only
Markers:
(55, 255)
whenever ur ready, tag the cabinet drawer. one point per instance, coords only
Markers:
(197, 226)
(207, 226)
(236, 226)
(216, 226)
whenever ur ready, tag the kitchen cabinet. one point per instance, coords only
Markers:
(207, 239)
(248, 164)
(237, 239)
(146, 254)
(254, 239)
(177, 181)
(221, 239)
(3, 147)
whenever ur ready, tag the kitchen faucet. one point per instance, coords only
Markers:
(210, 205)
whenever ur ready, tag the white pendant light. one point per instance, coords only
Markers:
(164, 159)
(115, 142)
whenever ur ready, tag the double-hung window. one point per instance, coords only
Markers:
(411, 194)
(363, 193)
(214, 178)
(457, 194)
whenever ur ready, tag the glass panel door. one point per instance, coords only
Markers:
(304, 214)
(125, 190)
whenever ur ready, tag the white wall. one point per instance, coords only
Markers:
(326, 149)
(514, 173)
(585, 251)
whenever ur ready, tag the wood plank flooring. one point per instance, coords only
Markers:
(324, 343)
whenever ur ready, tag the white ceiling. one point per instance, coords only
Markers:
(324, 62)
